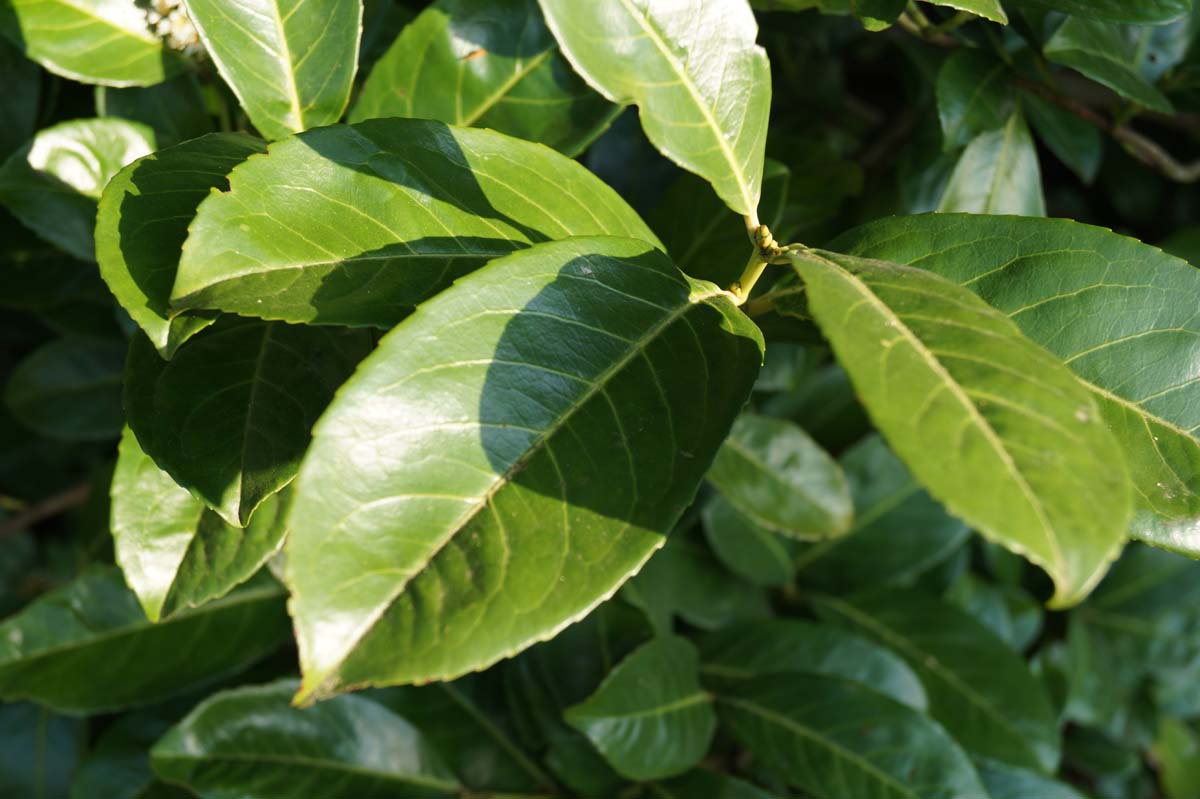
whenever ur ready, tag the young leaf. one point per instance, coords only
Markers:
(839, 740)
(291, 64)
(753, 553)
(899, 531)
(998, 173)
(467, 472)
(508, 76)
(143, 220)
(779, 478)
(88, 648)
(962, 397)
(1059, 281)
(174, 552)
(777, 646)
(53, 183)
(1137, 11)
(250, 742)
(1107, 54)
(974, 96)
(702, 85)
(979, 689)
(393, 211)
(109, 43)
(229, 417)
(38, 751)
(650, 718)
(69, 389)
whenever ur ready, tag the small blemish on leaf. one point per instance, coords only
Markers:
(476, 53)
(1082, 416)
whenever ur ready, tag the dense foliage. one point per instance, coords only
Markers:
(690, 399)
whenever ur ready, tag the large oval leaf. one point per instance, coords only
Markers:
(1059, 281)
(143, 220)
(964, 398)
(393, 210)
(229, 416)
(54, 182)
(88, 648)
(838, 740)
(980, 690)
(250, 742)
(701, 83)
(69, 389)
(461, 502)
(650, 718)
(92, 41)
(291, 63)
(1108, 54)
(174, 552)
(490, 64)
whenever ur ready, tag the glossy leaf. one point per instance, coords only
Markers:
(1008, 782)
(650, 718)
(988, 9)
(19, 102)
(229, 416)
(395, 210)
(459, 471)
(779, 478)
(899, 531)
(974, 96)
(1058, 281)
(69, 389)
(143, 220)
(290, 63)
(961, 397)
(490, 64)
(752, 552)
(1138, 11)
(108, 42)
(702, 86)
(39, 751)
(53, 183)
(251, 742)
(176, 109)
(1076, 142)
(800, 648)
(174, 552)
(998, 173)
(979, 689)
(1107, 54)
(88, 648)
(835, 739)
(701, 784)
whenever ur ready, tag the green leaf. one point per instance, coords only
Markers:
(899, 531)
(963, 397)
(53, 183)
(650, 718)
(229, 416)
(1108, 54)
(753, 553)
(19, 102)
(38, 751)
(702, 86)
(979, 689)
(704, 238)
(395, 210)
(88, 648)
(988, 9)
(1076, 142)
(176, 109)
(92, 41)
(490, 64)
(69, 389)
(777, 646)
(1177, 751)
(551, 364)
(1007, 610)
(290, 63)
(1008, 782)
(250, 742)
(1138, 11)
(974, 96)
(142, 223)
(174, 552)
(1058, 280)
(779, 478)
(836, 739)
(118, 765)
(701, 784)
(998, 173)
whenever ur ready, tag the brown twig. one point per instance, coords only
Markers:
(46, 509)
